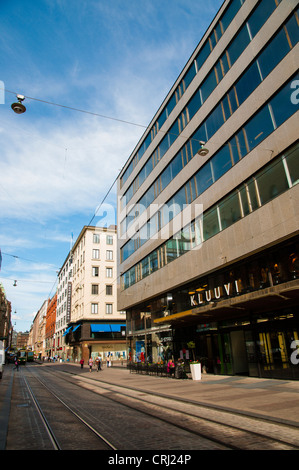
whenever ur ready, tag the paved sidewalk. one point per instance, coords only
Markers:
(275, 399)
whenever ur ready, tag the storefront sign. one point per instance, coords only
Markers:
(217, 293)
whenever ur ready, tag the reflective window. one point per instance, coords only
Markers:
(208, 85)
(258, 128)
(214, 121)
(210, 223)
(171, 250)
(203, 178)
(247, 83)
(221, 162)
(292, 161)
(273, 53)
(238, 45)
(292, 28)
(194, 105)
(282, 105)
(230, 210)
(272, 182)
(260, 15)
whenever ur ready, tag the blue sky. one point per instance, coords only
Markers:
(114, 58)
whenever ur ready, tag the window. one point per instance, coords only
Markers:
(272, 182)
(274, 53)
(109, 272)
(203, 178)
(109, 308)
(109, 240)
(109, 290)
(95, 271)
(94, 308)
(96, 238)
(258, 128)
(282, 105)
(293, 167)
(109, 254)
(96, 254)
(210, 223)
(230, 210)
(94, 289)
(221, 162)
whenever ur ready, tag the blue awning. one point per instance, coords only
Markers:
(67, 330)
(76, 327)
(106, 327)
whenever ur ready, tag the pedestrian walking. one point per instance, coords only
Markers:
(90, 363)
(16, 364)
(99, 363)
(82, 363)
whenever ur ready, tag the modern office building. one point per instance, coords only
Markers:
(208, 216)
(95, 325)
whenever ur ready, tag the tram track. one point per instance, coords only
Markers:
(223, 428)
(98, 441)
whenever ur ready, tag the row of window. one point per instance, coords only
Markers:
(96, 239)
(268, 183)
(95, 289)
(96, 254)
(96, 271)
(193, 69)
(262, 124)
(236, 95)
(95, 308)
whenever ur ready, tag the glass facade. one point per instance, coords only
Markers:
(268, 183)
(260, 341)
(250, 81)
(265, 62)
(240, 310)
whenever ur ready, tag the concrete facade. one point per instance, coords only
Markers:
(273, 223)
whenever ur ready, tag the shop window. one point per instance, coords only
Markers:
(230, 210)
(272, 182)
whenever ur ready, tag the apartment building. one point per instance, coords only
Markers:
(208, 213)
(95, 325)
(50, 335)
(64, 302)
